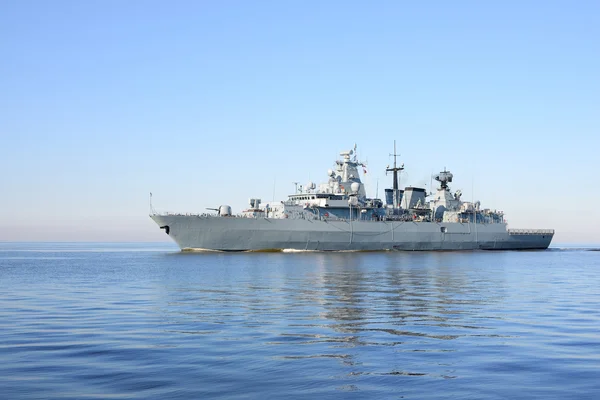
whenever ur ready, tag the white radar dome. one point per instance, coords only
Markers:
(355, 186)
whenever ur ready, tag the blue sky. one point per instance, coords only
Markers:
(208, 103)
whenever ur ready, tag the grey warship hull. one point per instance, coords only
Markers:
(338, 215)
(198, 232)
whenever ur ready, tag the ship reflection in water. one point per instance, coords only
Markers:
(375, 314)
(417, 309)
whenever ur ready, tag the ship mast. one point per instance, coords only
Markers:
(395, 170)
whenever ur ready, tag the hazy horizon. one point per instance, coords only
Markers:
(205, 104)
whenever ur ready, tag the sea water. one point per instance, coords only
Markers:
(145, 321)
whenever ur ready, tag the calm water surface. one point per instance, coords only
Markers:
(143, 321)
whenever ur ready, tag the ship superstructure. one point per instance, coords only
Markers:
(338, 215)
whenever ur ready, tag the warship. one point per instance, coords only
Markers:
(338, 216)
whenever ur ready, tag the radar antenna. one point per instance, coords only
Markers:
(444, 178)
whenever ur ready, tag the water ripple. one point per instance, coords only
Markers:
(101, 322)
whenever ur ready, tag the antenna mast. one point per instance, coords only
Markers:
(152, 212)
(395, 171)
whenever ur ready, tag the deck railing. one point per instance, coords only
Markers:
(181, 214)
(531, 231)
(320, 217)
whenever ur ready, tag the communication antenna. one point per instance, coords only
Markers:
(474, 208)
(395, 169)
(152, 211)
(395, 172)
(431, 184)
